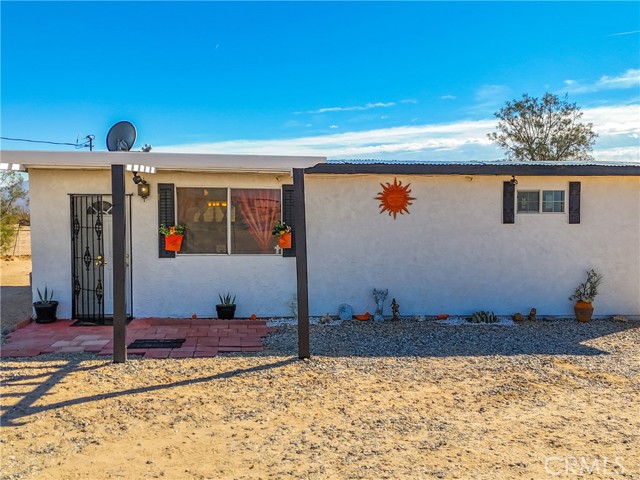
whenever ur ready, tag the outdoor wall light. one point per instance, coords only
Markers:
(513, 180)
(143, 189)
(143, 186)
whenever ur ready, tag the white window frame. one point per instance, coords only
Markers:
(231, 212)
(541, 193)
(526, 212)
(564, 201)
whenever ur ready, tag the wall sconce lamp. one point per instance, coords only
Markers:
(143, 190)
(513, 180)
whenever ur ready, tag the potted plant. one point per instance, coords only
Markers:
(45, 308)
(226, 309)
(584, 295)
(173, 236)
(283, 232)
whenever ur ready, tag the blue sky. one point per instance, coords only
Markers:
(416, 81)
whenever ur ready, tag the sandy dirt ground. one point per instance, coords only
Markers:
(15, 292)
(331, 417)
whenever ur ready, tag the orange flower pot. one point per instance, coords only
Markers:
(583, 311)
(173, 243)
(285, 240)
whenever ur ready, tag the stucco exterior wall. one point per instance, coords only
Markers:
(452, 254)
(167, 287)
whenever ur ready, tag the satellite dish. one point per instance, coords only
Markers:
(121, 137)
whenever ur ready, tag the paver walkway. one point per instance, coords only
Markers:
(204, 337)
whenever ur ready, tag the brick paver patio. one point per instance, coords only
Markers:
(204, 337)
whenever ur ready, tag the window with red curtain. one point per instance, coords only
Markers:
(254, 212)
(246, 223)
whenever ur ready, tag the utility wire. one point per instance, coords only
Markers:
(77, 145)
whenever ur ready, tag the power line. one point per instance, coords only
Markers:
(88, 143)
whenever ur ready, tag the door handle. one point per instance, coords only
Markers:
(100, 261)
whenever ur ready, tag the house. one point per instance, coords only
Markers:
(496, 236)
(228, 202)
(443, 238)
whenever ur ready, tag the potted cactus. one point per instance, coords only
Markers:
(584, 295)
(46, 307)
(226, 309)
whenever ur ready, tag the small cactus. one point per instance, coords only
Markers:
(483, 317)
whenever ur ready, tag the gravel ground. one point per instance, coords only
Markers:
(433, 338)
(377, 400)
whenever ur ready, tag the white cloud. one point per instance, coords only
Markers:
(492, 92)
(628, 79)
(333, 126)
(623, 33)
(620, 120)
(367, 106)
(448, 97)
(458, 141)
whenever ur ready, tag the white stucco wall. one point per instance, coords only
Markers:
(178, 287)
(452, 254)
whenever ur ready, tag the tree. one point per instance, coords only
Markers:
(544, 130)
(11, 213)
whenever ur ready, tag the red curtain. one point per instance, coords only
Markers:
(260, 209)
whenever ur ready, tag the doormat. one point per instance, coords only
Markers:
(164, 343)
(102, 322)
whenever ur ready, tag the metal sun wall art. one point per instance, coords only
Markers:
(395, 198)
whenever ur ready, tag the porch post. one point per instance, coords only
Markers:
(119, 264)
(301, 263)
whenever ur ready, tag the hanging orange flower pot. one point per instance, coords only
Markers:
(285, 240)
(173, 243)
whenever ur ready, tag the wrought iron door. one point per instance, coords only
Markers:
(91, 242)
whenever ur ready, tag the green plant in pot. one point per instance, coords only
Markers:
(584, 295)
(226, 309)
(46, 307)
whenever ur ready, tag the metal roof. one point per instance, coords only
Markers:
(474, 167)
(476, 162)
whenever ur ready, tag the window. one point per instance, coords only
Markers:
(528, 202)
(553, 201)
(221, 220)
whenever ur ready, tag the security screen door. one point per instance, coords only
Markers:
(92, 268)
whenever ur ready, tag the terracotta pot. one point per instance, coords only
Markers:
(285, 240)
(173, 243)
(583, 311)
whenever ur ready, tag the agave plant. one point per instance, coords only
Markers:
(46, 298)
(227, 299)
(483, 317)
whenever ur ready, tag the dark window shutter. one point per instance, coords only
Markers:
(508, 202)
(574, 202)
(287, 217)
(166, 215)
